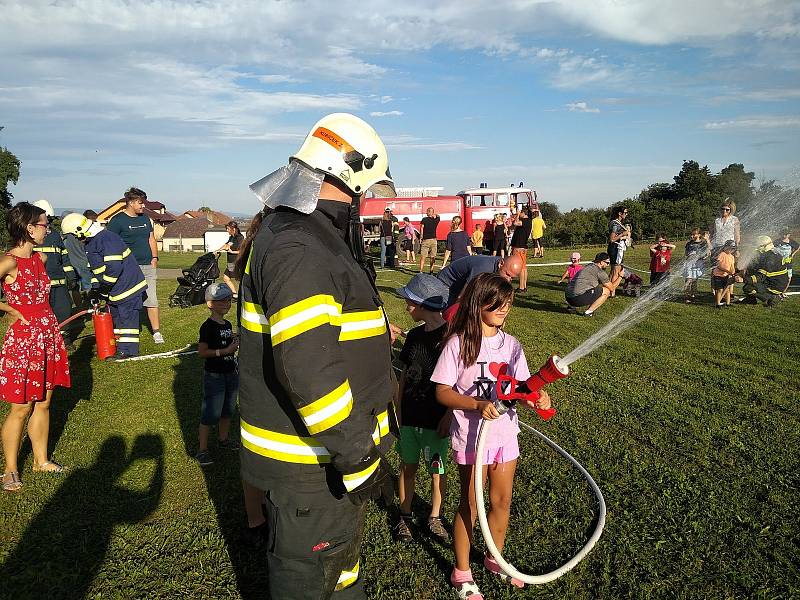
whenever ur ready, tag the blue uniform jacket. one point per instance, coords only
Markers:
(115, 270)
(59, 270)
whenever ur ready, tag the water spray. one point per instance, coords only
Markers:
(509, 390)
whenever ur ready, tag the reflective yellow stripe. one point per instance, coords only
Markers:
(99, 270)
(304, 315)
(68, 268)
(112, 257)
(382, 427)
(253, 318)
(94, 280)
(58, 281)
(353, 480)
(45, 249)
(333, 408)
(347, 578)
(363, 324)
(125, 294)
(136, 331)
(64, 251)
(110, 279)
(286, 448)
(774, 273)
(247, 264)
(130, 340)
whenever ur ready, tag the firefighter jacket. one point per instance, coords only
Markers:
(59, 270)
(316, 382)
(769, 269)
(115, 270)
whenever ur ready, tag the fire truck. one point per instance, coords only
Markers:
(475, 206)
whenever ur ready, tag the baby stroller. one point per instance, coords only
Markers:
(194, 281)
(633, 283)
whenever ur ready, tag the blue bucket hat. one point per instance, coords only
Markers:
(427, 291)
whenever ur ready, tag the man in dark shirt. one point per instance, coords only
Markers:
(429, 224)
(136, 230)
(460, 272)
(519, 244)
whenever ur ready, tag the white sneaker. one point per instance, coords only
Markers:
(158, 338)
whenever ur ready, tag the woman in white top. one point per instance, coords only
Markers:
(726, 227)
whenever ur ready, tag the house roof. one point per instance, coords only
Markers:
(216, 217)
(151, 209)
(188, 227)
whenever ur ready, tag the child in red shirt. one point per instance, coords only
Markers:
(660, 255)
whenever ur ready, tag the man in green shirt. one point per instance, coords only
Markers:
(136, 230)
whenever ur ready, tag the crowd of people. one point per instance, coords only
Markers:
(318, 399)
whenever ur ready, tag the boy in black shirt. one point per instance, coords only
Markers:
(422, 417)
(217, 346)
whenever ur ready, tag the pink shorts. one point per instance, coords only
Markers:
(500, 455)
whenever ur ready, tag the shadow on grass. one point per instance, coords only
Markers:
(62, 549)
(65, 399)
(524, 300)
(223, 481)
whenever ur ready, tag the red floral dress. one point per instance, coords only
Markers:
(34, 358)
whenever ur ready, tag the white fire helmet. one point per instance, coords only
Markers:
(349, 149)
(79, 226)
(46, 207)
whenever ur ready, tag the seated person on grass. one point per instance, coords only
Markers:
(591, 286)
(425, 424)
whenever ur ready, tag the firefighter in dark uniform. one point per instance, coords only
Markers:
(117, 278)
(767, 275)
(316, 385)
(59, 270)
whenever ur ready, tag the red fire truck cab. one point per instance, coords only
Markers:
(476, 206)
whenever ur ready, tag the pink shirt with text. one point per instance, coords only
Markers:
(478, 381)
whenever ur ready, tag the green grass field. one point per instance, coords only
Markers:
(688, 422)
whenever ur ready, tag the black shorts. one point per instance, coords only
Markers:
(537, 242)
(586, 298)
(720, 283)
(499, 244)
(614, 254)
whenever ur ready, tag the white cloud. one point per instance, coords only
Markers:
(766, 122)
(391, 113)
(581, 107)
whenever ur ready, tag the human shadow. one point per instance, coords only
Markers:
(525, 301)
(66, 399)
(64, 546)
(223, 481)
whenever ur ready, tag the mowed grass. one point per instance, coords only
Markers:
(688, 422)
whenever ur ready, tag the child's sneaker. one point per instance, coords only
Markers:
(492, 566)
(203, 458)
(438, 530)
(158, 338)
(402, 532)
(228, 444)
(466, 590)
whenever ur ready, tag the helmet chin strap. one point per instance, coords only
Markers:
(355, 240)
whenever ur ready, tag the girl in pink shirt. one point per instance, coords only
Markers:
(573, 269)
(465, 375)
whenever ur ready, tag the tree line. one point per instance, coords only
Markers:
(672, 209)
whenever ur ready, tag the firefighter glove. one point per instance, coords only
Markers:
(379, 485)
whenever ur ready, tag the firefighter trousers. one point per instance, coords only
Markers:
(62, 309)
(125, 315)
(314, 545)
(759, 290)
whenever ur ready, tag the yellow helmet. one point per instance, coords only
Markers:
(46, 207)
(345, 147)
(764, 243)
(77, 225)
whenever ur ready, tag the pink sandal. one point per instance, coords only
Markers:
(491, 565)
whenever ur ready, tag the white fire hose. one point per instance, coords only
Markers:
(507, 567)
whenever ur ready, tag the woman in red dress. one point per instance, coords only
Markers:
(34, 359)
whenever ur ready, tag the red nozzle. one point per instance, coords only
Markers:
(551, 371)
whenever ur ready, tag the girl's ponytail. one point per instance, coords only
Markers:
(244, 250)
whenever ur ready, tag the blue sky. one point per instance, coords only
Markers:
(585, 101)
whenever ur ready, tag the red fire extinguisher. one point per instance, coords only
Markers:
(103, 330)
(104, 334)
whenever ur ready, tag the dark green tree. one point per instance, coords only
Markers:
(9, 173)
(737, 184)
